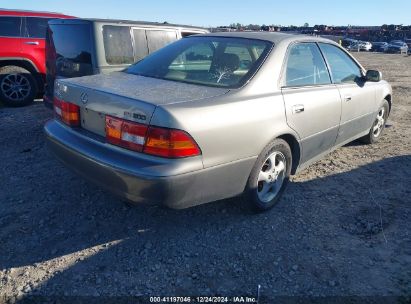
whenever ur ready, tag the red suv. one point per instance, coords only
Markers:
(22, 55)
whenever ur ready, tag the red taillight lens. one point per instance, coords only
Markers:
(170, 143)
(126, 134)
(157, 141)
(69, 113)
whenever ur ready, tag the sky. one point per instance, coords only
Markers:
(224, 12)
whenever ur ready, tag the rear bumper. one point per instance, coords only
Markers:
(177, 183)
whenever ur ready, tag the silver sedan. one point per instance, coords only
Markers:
(217, 115)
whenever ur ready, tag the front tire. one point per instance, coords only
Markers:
(270, 175)
(17, 86)
(378, 125)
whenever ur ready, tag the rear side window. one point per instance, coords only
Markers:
(10, 26)
(117, 44)
(343, 68)
(140, 44)
(158, 39)
(36, 27)
(306, 66)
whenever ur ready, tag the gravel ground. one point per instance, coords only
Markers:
(342, 228)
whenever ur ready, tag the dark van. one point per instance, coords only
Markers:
(81, 47)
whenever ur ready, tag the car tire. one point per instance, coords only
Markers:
(269, 176)
(18, 86)
(378, 125)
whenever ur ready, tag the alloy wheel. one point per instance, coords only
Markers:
(271, 176)
(379, 122)
(15, 87)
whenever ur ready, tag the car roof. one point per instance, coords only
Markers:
(122, 22)
(274, 37)
(27, 13)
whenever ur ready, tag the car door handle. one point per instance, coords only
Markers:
(347, 98)
(32, 42)
(298, 108)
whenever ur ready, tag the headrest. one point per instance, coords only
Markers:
(230, 62)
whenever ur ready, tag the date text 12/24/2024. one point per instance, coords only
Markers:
(204, 299)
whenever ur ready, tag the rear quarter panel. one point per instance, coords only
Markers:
(229, 128)
(237, 125)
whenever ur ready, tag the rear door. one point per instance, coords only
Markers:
(312, 102)
(358, 96)
(34, 41)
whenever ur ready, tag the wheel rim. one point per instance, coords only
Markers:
(15, 87)
(379, 122)
(271, 177)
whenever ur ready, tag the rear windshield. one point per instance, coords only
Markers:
(69, 50)
(210, 61)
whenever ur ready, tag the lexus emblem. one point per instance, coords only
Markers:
(84, 97)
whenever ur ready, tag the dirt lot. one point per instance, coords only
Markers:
(343, 227)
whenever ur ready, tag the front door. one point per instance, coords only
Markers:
(312, 102)
(358, 96)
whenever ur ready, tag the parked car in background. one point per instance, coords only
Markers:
(408, 42)
(81, 47)
(360, 46)
(217, 115)
(379, 47)
(365, 46)
(22, 59)
(354, 46)
(346, 42)
(397, 47)
(396, 41)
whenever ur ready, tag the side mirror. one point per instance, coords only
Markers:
(373, 75)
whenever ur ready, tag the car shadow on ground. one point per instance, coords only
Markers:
(98, 245)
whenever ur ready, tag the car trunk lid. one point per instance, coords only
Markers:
(126, 96)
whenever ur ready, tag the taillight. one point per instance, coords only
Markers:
(156, 141)
(126, 134)
(170, 143)
(68, 112)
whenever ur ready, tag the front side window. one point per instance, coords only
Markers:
(117, 44)
(10, 26)
(343, 68)
(305, 66)
(210, 61)
(36, 27)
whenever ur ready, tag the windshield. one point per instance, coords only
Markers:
(210, 61)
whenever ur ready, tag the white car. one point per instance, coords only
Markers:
(360, 46)
(365, 46)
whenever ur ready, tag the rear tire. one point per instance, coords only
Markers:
(378, 125)
(18, 86)
(269, 176)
